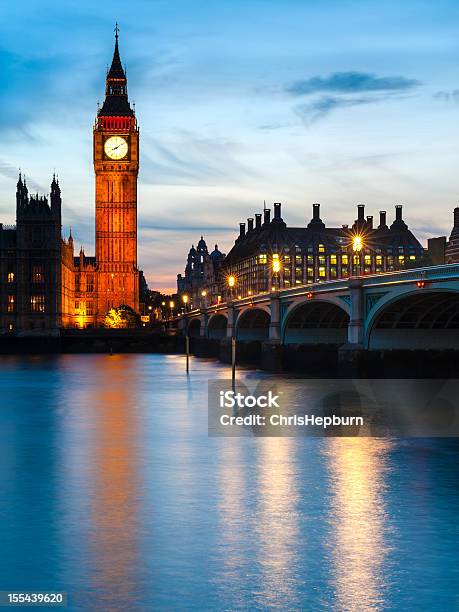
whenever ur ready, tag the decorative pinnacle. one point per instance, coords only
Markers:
(116, 31)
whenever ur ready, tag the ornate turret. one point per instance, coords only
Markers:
(55, 195)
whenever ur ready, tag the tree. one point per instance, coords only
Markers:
(121, 317)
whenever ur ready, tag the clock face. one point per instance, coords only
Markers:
(116, 147)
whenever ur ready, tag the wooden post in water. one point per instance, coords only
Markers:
(233, 361)
(187, 350)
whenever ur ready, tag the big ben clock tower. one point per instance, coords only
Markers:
(116, 166)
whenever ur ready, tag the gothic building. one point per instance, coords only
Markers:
(202, 273)
(35, 286)
(44, 286)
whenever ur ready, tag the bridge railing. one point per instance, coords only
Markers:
(444, 271)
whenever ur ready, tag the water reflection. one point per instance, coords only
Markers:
(277, 525)
(360, 542)
(115, 482)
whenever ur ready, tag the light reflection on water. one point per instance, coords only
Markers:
(360, 530)
(112, 490)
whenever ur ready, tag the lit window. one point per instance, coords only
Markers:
(89, 309)
(344, 259)
(321, 248)
(11, 277)
(37, 274)
(11, 303)
(401, 259)
(298, 259)
(89, 283)
(287, 259)
(37, 303)
(310, 272)
(413, 257)
(322, 271)
(321, 260)
(333, 260)
(310, 259)
(298, 271)
(368, 260)
(379, 260)
(262, 258)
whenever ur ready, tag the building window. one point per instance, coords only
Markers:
(344, 260)
(11, 277)
(89, 283)
(401, 260)
(37, 274)
(11, 303)
(368, 260)
(321, 248)
(333, 260)
(37, 303)
(379, 260)
(262, 258)
(321, 271)
(89, 309)
(321, 260)
(298, 259)
(77, 305)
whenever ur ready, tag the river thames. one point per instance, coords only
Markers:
(112, 491)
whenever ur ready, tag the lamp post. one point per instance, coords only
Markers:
(231, 285)
(357, 247)
(276, 269)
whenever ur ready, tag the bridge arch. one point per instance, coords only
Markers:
(416, 319)
(194, 327)
(316, 321)
(253, 324)
(217, 325)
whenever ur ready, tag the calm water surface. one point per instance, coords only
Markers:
(111, 490)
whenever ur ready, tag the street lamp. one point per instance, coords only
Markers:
(231, 283)
(185, 300)
(276, 266)
(357, 247)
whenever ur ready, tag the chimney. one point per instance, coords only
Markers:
(277, 210)
(242, 230)
(249, 225)
(456, 216)
(361, 213)
(399, 222)
(316, 222)
(267, 216)
(370, 221)
(257, 221)
(382, 219)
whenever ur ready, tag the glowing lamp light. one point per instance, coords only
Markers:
(231, 281)
(357, 244)
(203, 293)
(171, 304)
(185, 299)
(420, 284)
(163, 303)
(276, 263)
(309, 295)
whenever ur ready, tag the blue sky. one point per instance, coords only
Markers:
(238, 101)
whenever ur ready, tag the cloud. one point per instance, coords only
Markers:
(351, 83)
(318, 109)
(11, 172)
(447, 96)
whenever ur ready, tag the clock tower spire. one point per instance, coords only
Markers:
(116, 166)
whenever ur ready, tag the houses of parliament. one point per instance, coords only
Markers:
(44, 285)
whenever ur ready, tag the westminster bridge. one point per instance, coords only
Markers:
(416, 309)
